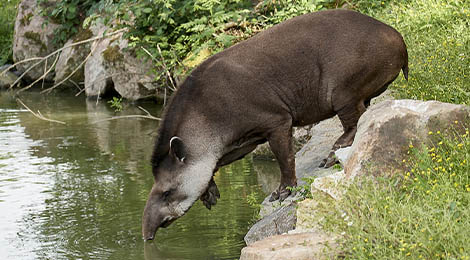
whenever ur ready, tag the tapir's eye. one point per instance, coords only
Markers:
(166, 194)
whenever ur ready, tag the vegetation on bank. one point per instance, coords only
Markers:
(423, 214)
(7, 24)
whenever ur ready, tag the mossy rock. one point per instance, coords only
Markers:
(113, 54)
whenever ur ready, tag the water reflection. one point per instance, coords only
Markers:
(78, 190)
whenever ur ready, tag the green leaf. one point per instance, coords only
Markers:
(147, 10)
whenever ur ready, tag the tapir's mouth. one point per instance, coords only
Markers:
(166, 223)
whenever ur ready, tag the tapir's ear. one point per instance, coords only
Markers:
(177, 148)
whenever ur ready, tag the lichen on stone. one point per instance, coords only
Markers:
(36, 38)
(26, 20)
(112, 54)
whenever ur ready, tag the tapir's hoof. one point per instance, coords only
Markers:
(329, 161)
(209, 198)
(280, 194)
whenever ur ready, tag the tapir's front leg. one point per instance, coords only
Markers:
(280, 141)
(209, 198)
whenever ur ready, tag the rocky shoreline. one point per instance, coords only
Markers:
(381, 143)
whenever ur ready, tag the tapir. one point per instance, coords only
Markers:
(299, 72)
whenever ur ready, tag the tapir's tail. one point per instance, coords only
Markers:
(405, 66)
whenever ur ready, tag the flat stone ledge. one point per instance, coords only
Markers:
(301, 246)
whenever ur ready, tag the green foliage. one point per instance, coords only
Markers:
(253, 201)
(68, 13)
(304, 191)
(116, 103)
(423, 214)
(438, 40)
(7, 23)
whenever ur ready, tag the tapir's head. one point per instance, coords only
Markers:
(180, 179)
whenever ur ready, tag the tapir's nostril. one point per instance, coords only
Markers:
(149, 238)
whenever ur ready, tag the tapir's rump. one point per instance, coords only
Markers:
(299, 72)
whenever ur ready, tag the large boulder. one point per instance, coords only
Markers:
(33, 37)
(279, 222)
(386, 130)
(69, 66)
(113, 66)
(6, 77)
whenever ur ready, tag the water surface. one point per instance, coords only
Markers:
(77, 191)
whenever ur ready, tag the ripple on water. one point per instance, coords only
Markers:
(24, 179)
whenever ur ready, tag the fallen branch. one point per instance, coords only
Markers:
(148, 116)
(71, 74)
(38, 114)
(43, 75)
(42, 59)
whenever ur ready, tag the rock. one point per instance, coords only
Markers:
(33, 39)
(301, 246)
(280, 221)
(386, 130)
(301, 136)
(6, 77)
(307, 160)
(98, 80)
(113, 67)
(332, 184)
(342, 154)
(71, 58)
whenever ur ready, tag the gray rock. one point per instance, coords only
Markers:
(386, 130)
(114, 66)
(343, 154)
(307, 160)
(6, 77)
(70, 60)
(33, 38)
(303, 246)
(98, 80)
(280, 221)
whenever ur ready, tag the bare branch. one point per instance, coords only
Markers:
(128, 116)
(173, 87)
(42, 59)
(38, 114)
(148, 116)
(71, 74)
(42, 77)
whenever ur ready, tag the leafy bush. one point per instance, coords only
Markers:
(7, 23)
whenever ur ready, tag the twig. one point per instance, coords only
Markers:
(42, 77)
(38, 114)
(148, 113)
(173, 87)
(41, 59)
(148, 116)
(71, 74)
(129, 116)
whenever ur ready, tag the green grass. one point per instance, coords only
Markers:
(423, 214)
(438, 38)
(7, 23)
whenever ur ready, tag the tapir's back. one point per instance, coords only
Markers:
(309, 65)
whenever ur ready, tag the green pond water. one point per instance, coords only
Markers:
(77, 191)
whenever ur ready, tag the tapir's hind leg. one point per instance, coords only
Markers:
(349, 115)
(280, 141)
